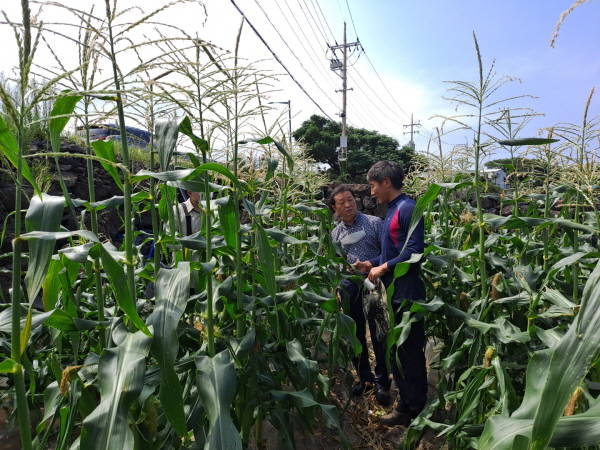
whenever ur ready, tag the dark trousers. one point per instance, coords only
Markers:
(411, 376)
(353, 294)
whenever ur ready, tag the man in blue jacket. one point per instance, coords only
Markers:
(386, 179)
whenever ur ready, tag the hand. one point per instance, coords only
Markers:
(363, 266)
(377, 272)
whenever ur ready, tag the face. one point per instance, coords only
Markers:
(380, 190)
(345, 206)
(194, 198)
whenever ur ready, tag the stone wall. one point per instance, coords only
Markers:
(362, 194)
(74, 174)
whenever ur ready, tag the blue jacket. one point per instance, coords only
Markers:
(393, 236)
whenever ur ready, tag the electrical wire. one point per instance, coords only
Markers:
(369, 105)
(316, 56)
(279, 61)
(293, 53)
(384, 85)
(373, 66)
(382, 101)
(315, 59)
(319, 28)
(324, 19)
(352, 19)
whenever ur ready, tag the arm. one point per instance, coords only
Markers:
(415, 244)
(378, 227)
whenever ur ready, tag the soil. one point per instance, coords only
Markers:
(359, 421)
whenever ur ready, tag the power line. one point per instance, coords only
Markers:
(372, 108)
(376, 94)
(352, 19)
(368, 122)
(320, 29)
(307, 42)
(358, 113)
(321, 26)
(324, 19)
(384, 85)
(315, 59)
(373, 66)
(279, 60)
(314, 53)
(292, 52)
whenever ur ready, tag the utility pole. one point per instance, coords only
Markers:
(412, 131)
(342, 66)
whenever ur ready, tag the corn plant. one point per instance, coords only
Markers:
(224, 307)
(237, 325)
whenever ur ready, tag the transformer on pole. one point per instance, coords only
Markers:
(341, 66)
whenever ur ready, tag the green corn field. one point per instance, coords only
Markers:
(215, 339)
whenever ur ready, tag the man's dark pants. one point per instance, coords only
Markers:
(411, 377)
(354, 295)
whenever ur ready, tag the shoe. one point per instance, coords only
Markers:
(398, 417)
(382, 395)
(361, 387)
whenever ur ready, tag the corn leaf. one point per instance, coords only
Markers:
(10, 149)
(228, 220)
(424, 202)
(118, 281)
(9, 366)
(217, 385)
(36, 319)
(59, 117)
(166, 140)
(172, 293)
(106, 150)
(44, 214)
(121, 379)
(526, 222)
(304, 399)
(267, 260)
(190, 178)
(269, 140)
(26, 331)
(185, 127)
(50, 285)
(56, 235)
(527, 141)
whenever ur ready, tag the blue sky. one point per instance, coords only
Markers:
(429, 42)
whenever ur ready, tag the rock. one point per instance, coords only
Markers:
(369, 203)
(489, 202)
(70, 179)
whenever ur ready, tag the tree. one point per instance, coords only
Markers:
(365, 147)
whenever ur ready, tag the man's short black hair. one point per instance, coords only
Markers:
(387, 169)
(339, 189)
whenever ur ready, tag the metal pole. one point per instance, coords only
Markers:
(343, 143)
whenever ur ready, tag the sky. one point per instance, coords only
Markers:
(411, 50)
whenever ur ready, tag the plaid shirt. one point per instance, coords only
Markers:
(368, 247)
